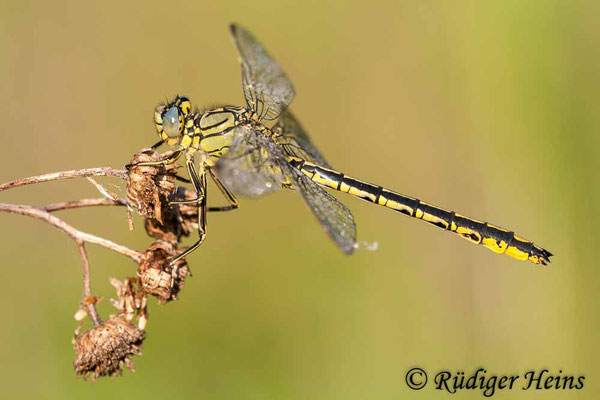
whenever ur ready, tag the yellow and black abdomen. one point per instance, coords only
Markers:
(497, 239)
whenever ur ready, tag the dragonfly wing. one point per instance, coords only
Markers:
(254, 165)
(267, 89)
(295, 141)
(335, 218)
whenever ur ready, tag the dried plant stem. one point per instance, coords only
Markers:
(75, 234)
(55, 176)
(80, 238)
(102, 189)
(87, 289)
(83, 203)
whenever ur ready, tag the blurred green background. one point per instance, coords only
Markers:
(487, 108)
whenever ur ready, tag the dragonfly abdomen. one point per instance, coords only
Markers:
(497, 239)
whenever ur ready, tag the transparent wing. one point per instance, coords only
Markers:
(267, 89)
(295, 141)
(256, 165)
(335, 218)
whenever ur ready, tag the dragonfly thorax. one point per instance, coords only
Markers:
(216, 130)
(210, 133)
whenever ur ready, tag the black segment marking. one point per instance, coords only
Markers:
(452, 214)
(296, 163)
(405, 201)
(484, 232)
(436, 212)
(417, 204)
(379, 190)
(359, 185)
(439, 224)
(469, 223)
(525, 247)
(330, 175)
(510, 239)
(499, 235)
(474, 237)
(339, 185)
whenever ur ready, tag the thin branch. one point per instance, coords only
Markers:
(55, 176)
(87, 289)
(75, 234)
(102, 189)
(82, 203)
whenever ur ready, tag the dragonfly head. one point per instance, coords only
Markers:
(170, 118)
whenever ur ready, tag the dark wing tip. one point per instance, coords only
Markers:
(233, 28)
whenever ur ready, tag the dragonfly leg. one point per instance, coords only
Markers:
(211, 209)
(169, 160)
(222, 208)
(233, 203)
(186, 201)
(182, 179)
(199, 182)
(157, 145)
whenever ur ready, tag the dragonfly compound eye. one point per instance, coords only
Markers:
(172, 123)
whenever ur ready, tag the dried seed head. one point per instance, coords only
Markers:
(104, 349)
(177, 220)
(155, 271)
(149, 186)
(132, 300)
(170, 228)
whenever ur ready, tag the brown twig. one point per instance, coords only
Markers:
(80, 238)
(87, 289)
(55, 176)
(83, 203)
(75, 234)
(102, 189)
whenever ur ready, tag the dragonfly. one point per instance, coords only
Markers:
(233, 146)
